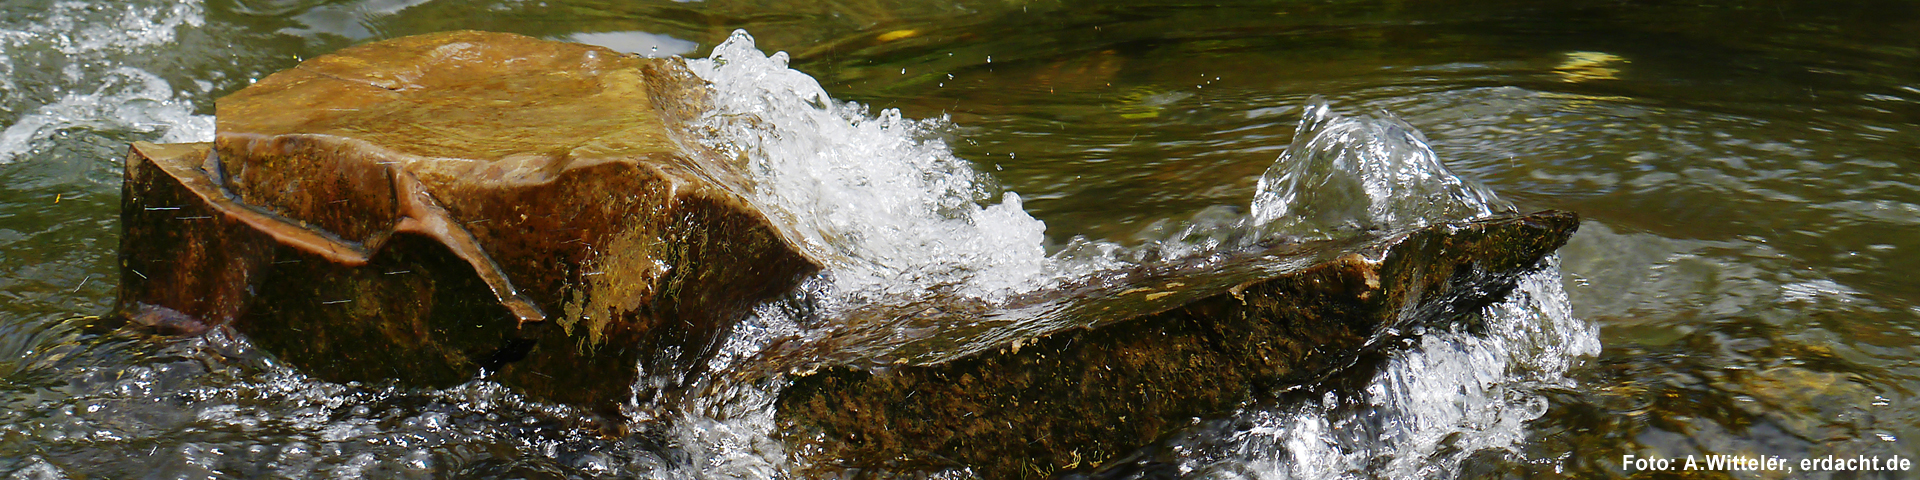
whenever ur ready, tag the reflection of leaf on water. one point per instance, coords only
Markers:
(1147, 101)
(1589, 66)
(896, 35)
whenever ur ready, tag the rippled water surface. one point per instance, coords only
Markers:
(1747, 173)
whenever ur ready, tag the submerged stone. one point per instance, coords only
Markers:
(1072, 379)
(424, 207)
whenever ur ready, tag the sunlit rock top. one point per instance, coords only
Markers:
(554, 170)
(522, 107)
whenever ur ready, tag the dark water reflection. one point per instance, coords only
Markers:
(1748, 172)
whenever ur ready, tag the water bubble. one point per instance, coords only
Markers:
(1344, 175)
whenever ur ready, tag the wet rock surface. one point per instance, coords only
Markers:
(1118, 371)
(423, 207)
(427, 208)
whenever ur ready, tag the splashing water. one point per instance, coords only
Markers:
(1342, 175)
(1451, 395)
(881, 199)
(1338, 178)
(82, 50)
(893, 212)
(884, 201)
(128, 99)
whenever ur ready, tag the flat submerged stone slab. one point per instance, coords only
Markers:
(1116, 372)
(353, 203)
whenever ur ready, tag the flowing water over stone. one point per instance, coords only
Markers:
(1750, 192)
(1450, 396)
(879, 196)
(1353, 174)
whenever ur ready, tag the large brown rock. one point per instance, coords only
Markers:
(352, 209)
(426, 208)
(1070, 379)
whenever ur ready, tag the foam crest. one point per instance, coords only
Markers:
(1449, 394)
(129, 101)
(880, 198)
(1452, 395)
(1342, 175)
(76, 54)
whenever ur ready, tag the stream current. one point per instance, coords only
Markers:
(1738, 263)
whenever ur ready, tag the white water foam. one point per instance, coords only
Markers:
(84, 29)
(879, 198)
(128, 100)
(93, 92)
(1451, 394)
(883, 200)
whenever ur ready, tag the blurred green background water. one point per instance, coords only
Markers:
(1748, 173)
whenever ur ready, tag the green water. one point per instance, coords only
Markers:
(1747, 172)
